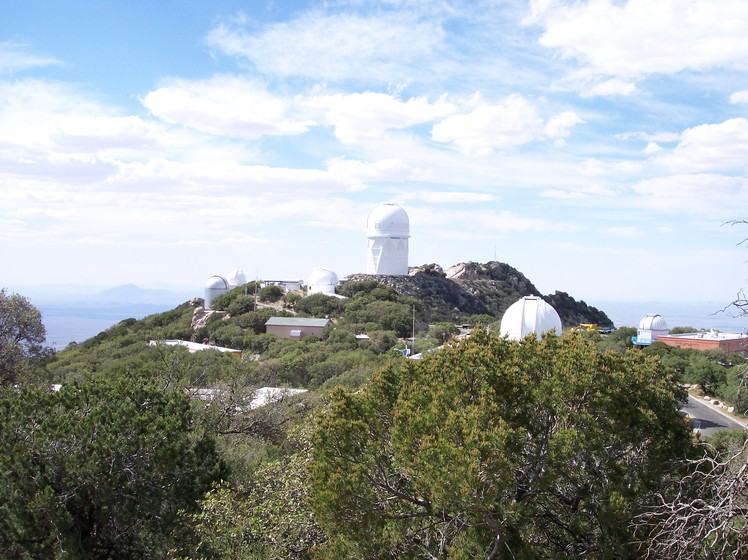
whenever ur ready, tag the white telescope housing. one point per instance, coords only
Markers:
(530, 314)
(388, 231)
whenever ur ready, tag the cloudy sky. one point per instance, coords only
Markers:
(599, 147)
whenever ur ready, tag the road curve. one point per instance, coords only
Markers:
(707, 419)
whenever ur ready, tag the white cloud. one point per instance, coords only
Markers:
(224, 105)
(739, 97)
(491, 127)
(357, 173)
(15, 57)
(614, 86)
(449, 197)
(593, 167)
(652, 148)
(705, 195)
(359, 116)
(710, 147)
(579, 192)
(631, 39)
(334, 46)
(558, 127)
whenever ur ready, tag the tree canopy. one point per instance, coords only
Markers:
(99, 469)
(496, 449)
(22, 335)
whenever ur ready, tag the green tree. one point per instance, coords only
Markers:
(443, 331)
(268, 518)
(22, 336)
(99, 469)
(496, 449)
(706, 373)
(682, 330)
(271, 294)
(319, 305)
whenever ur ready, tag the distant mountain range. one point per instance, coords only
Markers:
(88, 296)
(130, 294)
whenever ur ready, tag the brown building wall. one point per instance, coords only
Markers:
(731, 346)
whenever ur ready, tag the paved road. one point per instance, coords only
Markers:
(708, 420)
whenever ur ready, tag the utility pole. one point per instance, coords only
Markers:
(413, 349)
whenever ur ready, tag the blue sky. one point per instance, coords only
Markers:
(599, 147)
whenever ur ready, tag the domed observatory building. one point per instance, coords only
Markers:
(322, 281)
(388, 231)
(651, 327)
(214, 287)
(236, 278)
(531, 314)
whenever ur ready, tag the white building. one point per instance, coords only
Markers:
(651, 327)
(388, 231)
(236, 278)
(214, 287)
(531, 314)
(322, 281)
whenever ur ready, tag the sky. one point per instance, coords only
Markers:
(600, 147)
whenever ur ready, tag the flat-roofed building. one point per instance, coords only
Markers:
(732, 343)
(296, 328)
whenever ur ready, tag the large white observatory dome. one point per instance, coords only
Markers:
(322, 281)
(387, 230)
(236, 278)
(214, 287)
(529, 314)
(653, 323)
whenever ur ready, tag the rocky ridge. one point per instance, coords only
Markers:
(479, 289)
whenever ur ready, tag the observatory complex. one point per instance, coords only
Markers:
(387, 230)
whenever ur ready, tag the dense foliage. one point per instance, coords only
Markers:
(99, 469)
(21, 338)
(552, 446)
(497, 449)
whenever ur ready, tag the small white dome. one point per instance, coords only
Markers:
(653, 323)
(388, 220)
(236, 278)
(322, 280)
(529, 314)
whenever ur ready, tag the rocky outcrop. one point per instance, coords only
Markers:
(470, 288)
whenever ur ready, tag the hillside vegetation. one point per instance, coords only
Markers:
(565, 447)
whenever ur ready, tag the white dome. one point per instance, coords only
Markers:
(529, 314)
(388, 220)
(653, 323)
(214, 287)
(216, 283)
(236, 278)
(322, 280)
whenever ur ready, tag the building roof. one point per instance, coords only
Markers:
(708, 335)
(297, 322)
(193, 346)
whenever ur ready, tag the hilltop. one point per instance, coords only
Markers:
(472, 288)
